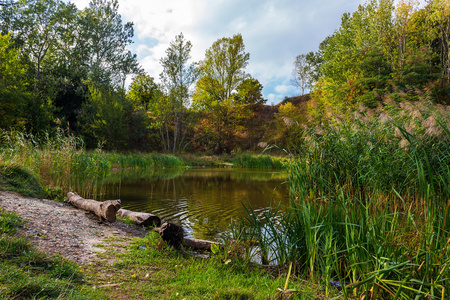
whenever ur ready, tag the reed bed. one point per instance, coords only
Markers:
(259, 161)
(143, 161)
(62, 163)
(59, 162)
(369, 209)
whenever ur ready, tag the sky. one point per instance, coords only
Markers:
(274, 32)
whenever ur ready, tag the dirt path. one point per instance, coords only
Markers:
(59, 228)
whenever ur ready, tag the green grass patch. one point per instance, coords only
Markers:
(26, 273)
(193, 160)
(143, 161)
(151, 270)
(259, 161)
(16, 179)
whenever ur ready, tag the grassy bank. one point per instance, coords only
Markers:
(369, 207)
(26, 273)
(146, 268)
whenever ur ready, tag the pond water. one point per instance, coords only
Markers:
(202, 201)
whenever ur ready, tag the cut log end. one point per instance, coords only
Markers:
(105, 210)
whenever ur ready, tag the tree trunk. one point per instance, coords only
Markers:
(105, 210)
(140, 218)
(173, 234)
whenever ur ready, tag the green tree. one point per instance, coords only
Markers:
(144, 90)
(249, 92)
(224, 65)
(35, 28)
(439, 17)
(221, 87)
(177, 78)
(104, 43)
(111, 119)
(383, 49)
(13, 86)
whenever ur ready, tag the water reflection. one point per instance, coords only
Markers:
(203, 201)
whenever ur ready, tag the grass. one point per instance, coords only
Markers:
(61, 164)
(193, 160)
(259, 161)
(151, 270)
(26, 273)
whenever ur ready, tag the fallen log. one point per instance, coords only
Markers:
(105, 210)
(197, 244)
(173, 234)
(140, 218)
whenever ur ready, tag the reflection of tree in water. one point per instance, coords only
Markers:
(204, 201)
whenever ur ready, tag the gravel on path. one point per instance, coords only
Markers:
(58, 228)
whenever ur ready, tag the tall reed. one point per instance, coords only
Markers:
(368, 212)
(59, 161)
(62, 162)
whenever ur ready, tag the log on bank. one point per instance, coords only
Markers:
(106, 210)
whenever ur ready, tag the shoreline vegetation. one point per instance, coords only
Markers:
(62, 164)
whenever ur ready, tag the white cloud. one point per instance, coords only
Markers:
(274, 32)
(285, 89)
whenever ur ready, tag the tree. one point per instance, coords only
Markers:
(13, 90)
(440, 21)
(383, 49)
(301, 74)
(144, 90)
(221, 87)
(104, 44)
(224, 66)
(249, 92)
(109, 118)
(35, 28)
(177, 78)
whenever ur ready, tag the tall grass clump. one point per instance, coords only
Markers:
(369, 205)
(59, 161)
(259, 161)
(143, 161)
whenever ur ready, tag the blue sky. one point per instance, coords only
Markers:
(274, 32)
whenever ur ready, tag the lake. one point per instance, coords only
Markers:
(203, 201)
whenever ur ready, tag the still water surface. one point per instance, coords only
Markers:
(203, 201)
